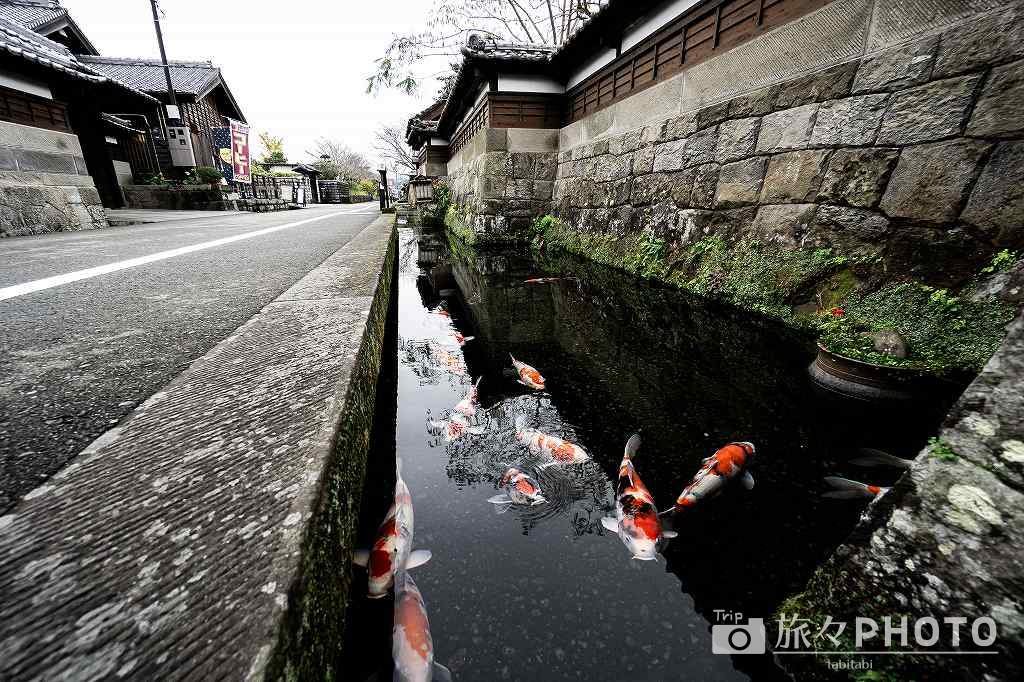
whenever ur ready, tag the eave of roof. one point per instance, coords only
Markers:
(26, 44)
(45, 19)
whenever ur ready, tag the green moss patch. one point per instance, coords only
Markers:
(944, 333)
(818, 290)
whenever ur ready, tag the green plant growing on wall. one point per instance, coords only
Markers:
(940, 449)
(1002, 261)
(435, 214)
(208, 175)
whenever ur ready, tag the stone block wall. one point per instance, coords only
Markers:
(44, 184)
(507, 184)
(912, 151)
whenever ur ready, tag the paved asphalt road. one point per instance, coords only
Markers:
(77, 357)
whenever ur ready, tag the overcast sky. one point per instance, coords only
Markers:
(297, 67)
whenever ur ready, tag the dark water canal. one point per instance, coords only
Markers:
(544, 592)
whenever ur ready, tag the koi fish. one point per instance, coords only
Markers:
(392, 551)
(453, 428)
(528, 376)
(444, 313)
(520, 489)
(727, 463)
(636, 520)
(467, 405)
(558, 450)
(849, 490)
(460, 339)
(542, 280)
(450, 362)
(412, 647)
(873, 458)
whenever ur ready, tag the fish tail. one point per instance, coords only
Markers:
(874, 458)
(632, 445)
(846, 485)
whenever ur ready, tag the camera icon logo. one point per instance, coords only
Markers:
(739, 639)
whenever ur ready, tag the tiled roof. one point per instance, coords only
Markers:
(32, 13)
(19, 41)
(189, 78)
(486, 49)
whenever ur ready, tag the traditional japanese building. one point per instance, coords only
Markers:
(204, 98)
(59, 121)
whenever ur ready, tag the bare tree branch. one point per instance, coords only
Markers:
(389, 142)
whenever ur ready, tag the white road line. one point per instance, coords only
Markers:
(58, 280)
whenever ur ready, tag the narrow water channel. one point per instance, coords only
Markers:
(544, 592)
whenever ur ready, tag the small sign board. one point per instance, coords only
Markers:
(240, 151)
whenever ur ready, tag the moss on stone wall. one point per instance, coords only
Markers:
(819, 290)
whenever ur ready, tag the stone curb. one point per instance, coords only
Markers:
(204, 536)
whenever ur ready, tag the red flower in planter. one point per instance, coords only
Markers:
(838, 312)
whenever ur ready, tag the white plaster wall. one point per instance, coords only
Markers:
(595, 63)
(514, 83)
(654, 20)
(23, 84)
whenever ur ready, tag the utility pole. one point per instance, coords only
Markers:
(174, 117)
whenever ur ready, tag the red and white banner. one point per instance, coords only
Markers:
(240, 151)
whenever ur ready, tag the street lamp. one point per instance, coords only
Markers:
(383, 187)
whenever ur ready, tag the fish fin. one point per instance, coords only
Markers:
(520, 381)
(841, 483)
(361, 557)
(418, 558)
(513, 358)
(632, 445)
(479, 378)
(747, 480)
(874, 458)
(546, 465)
(441, 673)
(500, 499)
(667, 511)
(610, 524)
(669, 534)
(540, 499)
(467, 339)
(844, 494)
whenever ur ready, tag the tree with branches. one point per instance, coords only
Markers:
(389, 142)
(273, 148)
(337, 161)
(451, 22)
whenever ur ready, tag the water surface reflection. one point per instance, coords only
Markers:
(544, 592)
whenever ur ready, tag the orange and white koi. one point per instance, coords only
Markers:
(849, 490)
(467, 405)
(520, 488)
(636, 519)
(727, 463)
(528, 376)
(392, 551)
(460, 339)
(453, 428)
(557, 450)
(412, 647)
(449, 361)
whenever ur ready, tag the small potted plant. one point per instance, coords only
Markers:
(209, 175)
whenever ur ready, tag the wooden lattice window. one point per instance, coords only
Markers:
(31, 110)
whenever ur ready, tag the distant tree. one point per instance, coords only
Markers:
(389, 142)
(450, 23)
(341, 162)
(365, 186)
(273, 149)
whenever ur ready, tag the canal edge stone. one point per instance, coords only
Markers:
(211, 531)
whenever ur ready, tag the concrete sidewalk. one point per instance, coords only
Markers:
(119, 217)
(208, 535)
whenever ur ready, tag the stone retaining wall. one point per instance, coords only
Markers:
(501, 182)
(44, 184)
(913, 154)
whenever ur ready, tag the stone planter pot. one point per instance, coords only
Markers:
(870, 382)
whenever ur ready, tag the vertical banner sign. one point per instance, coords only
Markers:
(222, 145)
(240, 151)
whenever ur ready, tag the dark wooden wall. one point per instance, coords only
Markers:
(30, 110)
(703, 32)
